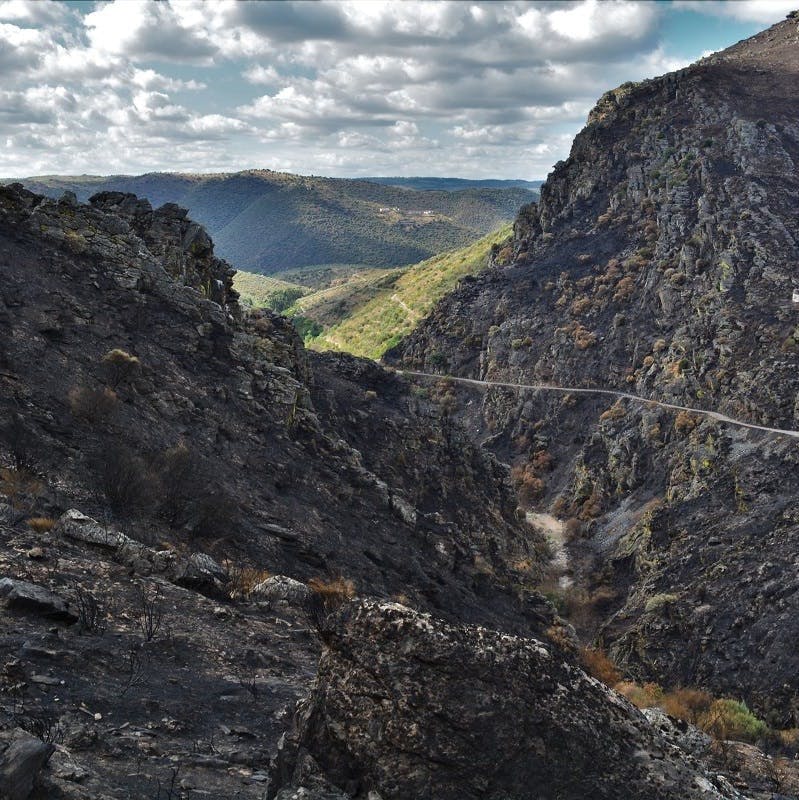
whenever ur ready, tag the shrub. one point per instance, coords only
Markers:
(597, 663)
(731, 719)
(528, 484)
(647, 696)
(120, 366)
(615, 412)
(41, 524)
(242, 580)
(333, 591)
(659, 601)
(92, 405)
(684, 422)
(125, 480)
(686, 704)
(560, 637)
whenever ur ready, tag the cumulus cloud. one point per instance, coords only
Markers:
(444, 86)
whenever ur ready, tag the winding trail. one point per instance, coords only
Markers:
(548, 387)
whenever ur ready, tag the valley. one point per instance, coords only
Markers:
(411, 488)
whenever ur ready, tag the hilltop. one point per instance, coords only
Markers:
(265, 221)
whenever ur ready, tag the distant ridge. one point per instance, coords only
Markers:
(454, 184)
(265, 221)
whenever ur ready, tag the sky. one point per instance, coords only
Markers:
(342, 88)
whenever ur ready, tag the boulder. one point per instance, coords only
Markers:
(76, 525)
(412, 707)
(280, 590)
(25, 596)
(20, 765)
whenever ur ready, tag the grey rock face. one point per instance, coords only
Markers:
(409, 706)
(675, 212)
(25, 596)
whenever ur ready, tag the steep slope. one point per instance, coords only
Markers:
(267, 221)
(661, 260)
(138, 396)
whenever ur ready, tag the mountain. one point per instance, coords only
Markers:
(660, 261)
(189, 503)
(266, 221)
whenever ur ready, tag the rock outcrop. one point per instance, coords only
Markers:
(408, 706)
(662, 261)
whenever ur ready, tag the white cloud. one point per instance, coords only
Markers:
(495, 88)
(764, 12)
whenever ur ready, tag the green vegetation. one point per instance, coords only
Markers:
(267, 222)
(263, 291)
(360, 310)
(403, 298)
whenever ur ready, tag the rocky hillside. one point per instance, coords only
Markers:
(661, 261)
(266, 221)
(189, 502)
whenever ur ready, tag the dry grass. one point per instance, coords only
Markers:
(242, 580)
(41, 524)
(597, 663)
(334, 591)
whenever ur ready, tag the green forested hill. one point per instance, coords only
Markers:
(368, 311)
(266, 222)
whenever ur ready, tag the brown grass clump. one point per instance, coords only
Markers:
(684, 422)
(686, 704)
(334, 591)
(647, 696)
(20, 487)
(559, 636)
(616, 411)
(41, 524)
(242, 580)
(597, 663)
(529, 486)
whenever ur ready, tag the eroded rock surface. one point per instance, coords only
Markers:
(408, 706)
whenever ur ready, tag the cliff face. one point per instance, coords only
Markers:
(130, 385)
(661, 261)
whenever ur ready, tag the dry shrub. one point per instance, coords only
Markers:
(126, 481)
(560, 637)
(529, 486)
(583, 338)
(580, 306)
(616, 411)
(334, 591)
(242, 580)
(92, 405)
(597, 663)
(120, 366)
(624, 289)
(41, 524)
(684, 422)
(647, 696)
(572, 529)
(20, 487)
(686, 704)
(592, 507)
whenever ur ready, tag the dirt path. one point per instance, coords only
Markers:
(714, 415)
